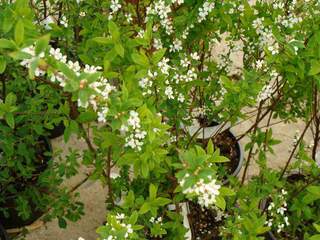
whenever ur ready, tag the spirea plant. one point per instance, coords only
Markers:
(139, 73)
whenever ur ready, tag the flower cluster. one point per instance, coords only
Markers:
(156, 220)
(205, 190)
(27, 62)
(113, 233)
(115, 7)
(276, 212)
(205, 10)
(159, 8)
(266, 37)
(146, 83)
(132, 129)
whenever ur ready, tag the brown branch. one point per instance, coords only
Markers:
(295, 147)
(251, 148)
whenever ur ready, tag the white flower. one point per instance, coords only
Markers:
(181, 97)
(47, 21)
(64, 21)
(157, 44)
(176, 46)
(115, 7)
(205, 10)
(206, 191)
(102, 114)
(128, 17)
(259, 64)
(185, 62)
(169, 92)
(82, 14)
(195, 56)
(164, 66)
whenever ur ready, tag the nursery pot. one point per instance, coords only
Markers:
(225, 140)
(14, 220)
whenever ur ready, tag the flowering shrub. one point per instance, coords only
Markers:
(140, 73)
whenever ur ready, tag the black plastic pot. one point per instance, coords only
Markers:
(14, 220)
(3, 233)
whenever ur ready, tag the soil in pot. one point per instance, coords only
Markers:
(204, 223)
(14, 220)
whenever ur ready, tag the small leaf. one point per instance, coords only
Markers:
(19, 32)
(7, 44)
(119, 49)
(9, 119)
(152, 191)
(133, 218)
(3, 64)
(158, 55)
(62, 222)
(220, 202)
(145, 208)
(315, 237)
(102, 40)
(42, 44)
(11, 99)
(114, 31)
(210, 148)
(315, 68)
(140, 59)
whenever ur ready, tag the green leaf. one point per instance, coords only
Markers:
(140, 59)
(11, 99)
(9, 119)
(88, 116)
(158, 55)
(106, 65)
(66, 71)
(3, 64)
(42, 44)
(317, 227)
(145, 208)
(315, 68)
(62, 222)
(19, 32)
(220, 202)
(72, 128)
(7, 44)
(119, 49)
(210, 148)
(161, 201)
(315, 237)
(226, 191)
(152, 191)
(133, 218)
(102, 40)
(114, 31)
